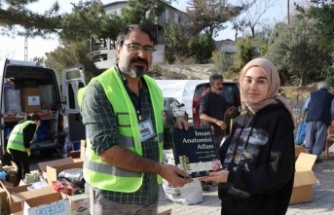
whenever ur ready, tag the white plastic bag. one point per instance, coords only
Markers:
(12, 101)
(189, 194)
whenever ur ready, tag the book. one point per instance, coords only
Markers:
(195, 151)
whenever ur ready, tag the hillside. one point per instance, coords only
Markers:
(182, 71)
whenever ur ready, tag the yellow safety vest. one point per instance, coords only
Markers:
(102, 175)
(15, 140)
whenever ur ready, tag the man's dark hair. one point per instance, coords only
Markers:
(123, 35)
(215, 77)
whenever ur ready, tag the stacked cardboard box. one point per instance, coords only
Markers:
(30, 98)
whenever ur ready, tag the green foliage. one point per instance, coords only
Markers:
(142, 12)
(111, 25)
(34, 24)
(71, 54)
(84, 21)
(176, 40)
(223, 62)
(295, 48)
(210, 16)
(330, 75)
(246, 51)
(325, 25)
(201, 47)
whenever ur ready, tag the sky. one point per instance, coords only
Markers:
(13, 46)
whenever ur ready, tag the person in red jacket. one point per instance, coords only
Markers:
(258, 157)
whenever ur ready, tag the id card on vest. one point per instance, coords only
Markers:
(195, 151)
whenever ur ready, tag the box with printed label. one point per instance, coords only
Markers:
(54, 205)
(31, 99)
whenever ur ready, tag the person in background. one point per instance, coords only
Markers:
(258, 158)
(122, 111)
(317, 109)
(19, 142)
(205, 90)
(213, 107)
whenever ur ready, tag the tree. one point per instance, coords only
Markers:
(176, 40)
(201, 47)
(295, 48)
(254, 12)
(34, 24)
(83, 22)
(143, 12)
(210, 16)
(71, 54)
(324, 14)
(245, 52)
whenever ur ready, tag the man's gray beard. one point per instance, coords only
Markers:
(216, 91)
(135, 72)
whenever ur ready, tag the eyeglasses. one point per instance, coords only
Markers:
(137, 47)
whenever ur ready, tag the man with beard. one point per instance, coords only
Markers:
(213, 107)
(122, 110)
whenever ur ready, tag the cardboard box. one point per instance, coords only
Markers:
(52, 172)
(53, 204)
(4, 201)
(42, 165)
(31, 99)
(80, 204)
(299, 149)
(19, 194)
(304, 179)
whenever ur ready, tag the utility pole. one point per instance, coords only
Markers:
(288, 10)
(26, 47)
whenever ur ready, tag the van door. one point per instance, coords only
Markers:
(73, 78)
(2, 107)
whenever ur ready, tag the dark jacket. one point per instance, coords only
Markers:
(259, 155)
(213, 105)
(320, 106)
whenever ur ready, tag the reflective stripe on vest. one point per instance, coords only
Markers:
(15, 140)
(102, 175)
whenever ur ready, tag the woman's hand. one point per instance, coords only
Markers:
(217, 177)
(221, 124)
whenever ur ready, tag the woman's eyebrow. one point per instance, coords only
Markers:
(261, 77)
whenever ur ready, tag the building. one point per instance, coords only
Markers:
(104, 54)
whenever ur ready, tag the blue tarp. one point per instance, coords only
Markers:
(300, 133)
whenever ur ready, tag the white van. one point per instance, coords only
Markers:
(26, 87)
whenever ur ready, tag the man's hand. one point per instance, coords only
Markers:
(181, 123)
(174, 175)
(28, 152)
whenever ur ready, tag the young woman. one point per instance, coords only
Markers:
(19, 143)
(258, 156)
